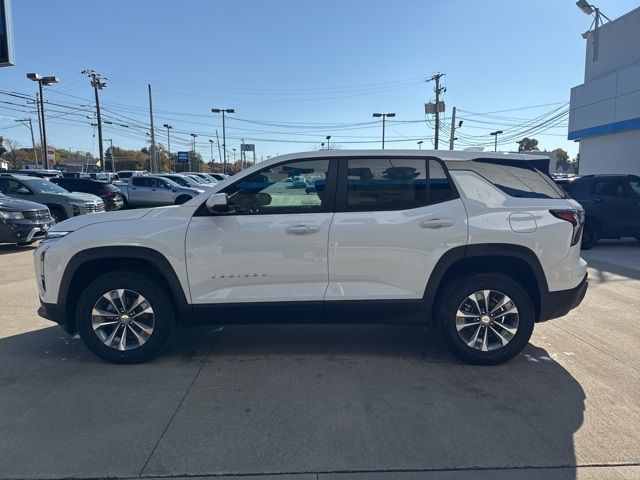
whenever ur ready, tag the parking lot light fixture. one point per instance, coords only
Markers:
(328, 138)
(495, 136)
(46, 81)
(384, 117)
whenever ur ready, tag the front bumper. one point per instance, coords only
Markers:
(56, 313)
(559, 303)
(23, 231)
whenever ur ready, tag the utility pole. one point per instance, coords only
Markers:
(219, 153)
(97, 84)
(436, 78)
(224, 133)
(211, 145)
(33, 141)
(453, 128)
(153, 158)
(242, 156)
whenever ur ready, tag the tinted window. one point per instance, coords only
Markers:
(386, 184)
(516, 178)
(634, 183)
(179, 180)
(140, 181)
(10, 186)
(440, 189)
(607, 188)
(273, 190)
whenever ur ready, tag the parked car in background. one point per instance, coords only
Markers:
(298, 182)
(104, 176)
(219, 176)
(60, 202)
(565, 182)
(611, 204)
(126, 174)
(109, 193)
(41, 172)
(154, 191)
(204, 176)
(185, 180)
(23, 222)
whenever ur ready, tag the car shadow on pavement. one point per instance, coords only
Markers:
(277, 399)
(8, 249)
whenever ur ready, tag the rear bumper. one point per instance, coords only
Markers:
(559, 303)
(56, 313)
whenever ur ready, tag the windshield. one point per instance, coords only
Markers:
(44, 186)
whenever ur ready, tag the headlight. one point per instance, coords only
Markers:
(11, 215)
(53, 236)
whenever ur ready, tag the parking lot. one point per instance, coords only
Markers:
(326, 402)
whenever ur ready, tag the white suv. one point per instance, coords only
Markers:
(476, 246)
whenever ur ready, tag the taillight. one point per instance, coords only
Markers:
(107, 193)
(575, 218)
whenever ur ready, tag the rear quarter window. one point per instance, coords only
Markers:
(517, 178)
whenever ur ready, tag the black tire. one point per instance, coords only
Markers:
(158, 298)
(182, 199)
(456, 292)
(58, 214)
(125, 204)
(590, 235)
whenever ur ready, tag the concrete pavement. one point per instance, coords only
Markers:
(329, 402)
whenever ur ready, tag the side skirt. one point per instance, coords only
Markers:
(337, 311)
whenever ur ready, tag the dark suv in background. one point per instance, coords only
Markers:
(611, 204)
(23, 222)
(110, 194)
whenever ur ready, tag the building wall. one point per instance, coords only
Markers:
(617, 153)
(605, 110)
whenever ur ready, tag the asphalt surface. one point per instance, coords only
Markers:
(327, 402)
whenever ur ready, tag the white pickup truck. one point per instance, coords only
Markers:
(153, 191)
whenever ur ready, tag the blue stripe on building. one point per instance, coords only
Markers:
(609, 128)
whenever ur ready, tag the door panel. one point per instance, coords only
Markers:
(252, 258)
(271, 244)
(397, 219)
(391, 254)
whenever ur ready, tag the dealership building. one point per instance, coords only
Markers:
(605, 109)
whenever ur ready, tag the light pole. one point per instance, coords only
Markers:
(211, 143)
(193, 136)
(234, 156)
(384, 117)
(495, 136)
(328, 138)
(168, 127)
(33, 141)
(322, 146)
(419, 144)
(224, 134)
(36, 77)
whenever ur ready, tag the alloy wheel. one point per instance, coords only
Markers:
(123, 319)
(487, 320)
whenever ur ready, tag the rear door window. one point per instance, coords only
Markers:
(610, 187)
(517, 178)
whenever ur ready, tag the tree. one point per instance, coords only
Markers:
(575, 163)
(527, 145)
(563, 159)
(2, 149)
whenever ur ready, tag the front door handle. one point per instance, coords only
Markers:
(438, 223)
(302, 229)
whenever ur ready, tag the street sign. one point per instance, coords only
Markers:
(51, 155)
(183, 157)
(6, 35)
(247, 147)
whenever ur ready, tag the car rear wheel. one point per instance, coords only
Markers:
(125, 317)
(486, 319)
(590, 235)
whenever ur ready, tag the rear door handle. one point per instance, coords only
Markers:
(438, 223)
(302, 229)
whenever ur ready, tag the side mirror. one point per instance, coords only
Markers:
(217, 203)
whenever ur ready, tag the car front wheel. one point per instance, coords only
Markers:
(125, 317)
(486, 319)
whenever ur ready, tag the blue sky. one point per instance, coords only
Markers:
(300, 69)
